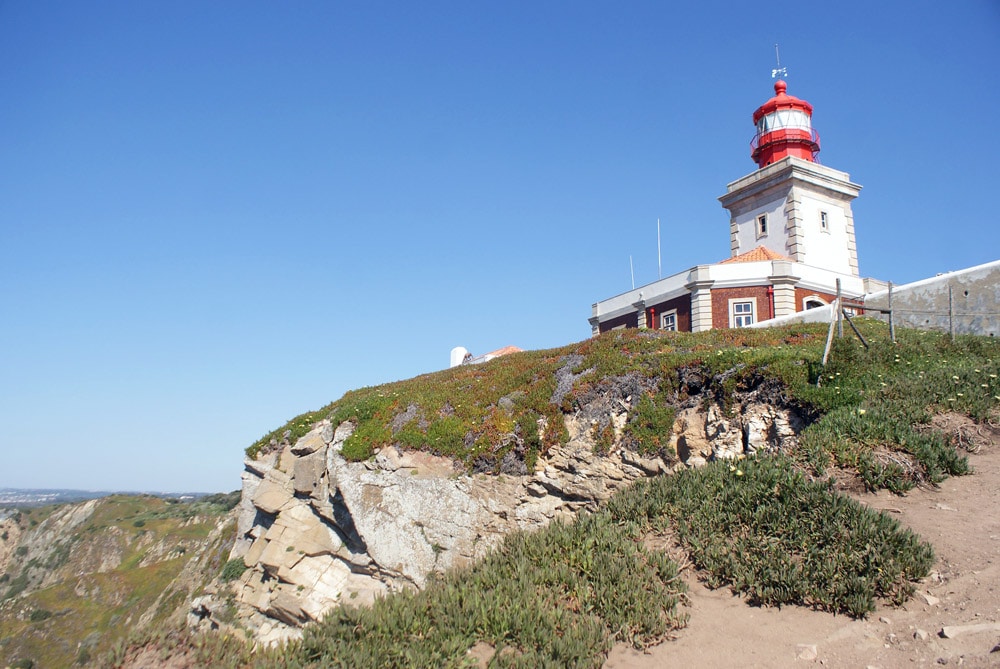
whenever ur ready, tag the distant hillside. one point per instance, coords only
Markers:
(75, 579)
(25, 497)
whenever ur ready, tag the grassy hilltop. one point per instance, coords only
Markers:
(775, 528)
(870, 401)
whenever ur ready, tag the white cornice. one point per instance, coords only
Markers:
(791, 170)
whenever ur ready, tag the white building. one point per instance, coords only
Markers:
(791, 236)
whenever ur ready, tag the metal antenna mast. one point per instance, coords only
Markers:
(779, 70)
(659, 264)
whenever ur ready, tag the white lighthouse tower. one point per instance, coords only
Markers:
(791, 204)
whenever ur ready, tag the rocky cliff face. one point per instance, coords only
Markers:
(316, 530)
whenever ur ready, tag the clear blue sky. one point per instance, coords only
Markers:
(217, 215)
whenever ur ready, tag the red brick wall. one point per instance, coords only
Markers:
(628, 320)
(683, 306)
(720, 303)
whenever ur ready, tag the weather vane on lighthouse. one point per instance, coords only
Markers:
(778, 71)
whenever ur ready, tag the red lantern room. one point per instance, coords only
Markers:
(784, 128)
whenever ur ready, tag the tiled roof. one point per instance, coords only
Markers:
(486, 357)
(755, 255)
(503, 351)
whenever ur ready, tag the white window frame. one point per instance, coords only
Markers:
(824, 222)
(668, 320)
(813, 298)
(761, 225)
(738, 317)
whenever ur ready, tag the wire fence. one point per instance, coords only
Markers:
(845, 308)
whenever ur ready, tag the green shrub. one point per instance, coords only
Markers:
(39, 615)
(357, 448)
(221, 502)
(650, 423)
(760, 527)
(527, 428)
(18, 584)
(603, 436)
(233, 569)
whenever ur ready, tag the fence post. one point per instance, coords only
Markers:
(892, 324)
(840, 313)
(829, 341)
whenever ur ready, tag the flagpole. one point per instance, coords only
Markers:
(632, 270)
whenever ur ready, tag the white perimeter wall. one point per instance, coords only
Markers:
(924, 304)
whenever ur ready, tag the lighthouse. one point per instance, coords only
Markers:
(791, 204)
(791, 233)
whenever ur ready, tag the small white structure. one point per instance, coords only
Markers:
(461, 356)
(458, 356)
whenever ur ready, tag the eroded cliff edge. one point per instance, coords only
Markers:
(316, 530)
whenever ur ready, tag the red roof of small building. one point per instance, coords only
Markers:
(504, 351)
(486, 357)
(756, 255)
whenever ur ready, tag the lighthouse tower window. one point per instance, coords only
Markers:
(824, 222)
(785, 119)
(761, 225)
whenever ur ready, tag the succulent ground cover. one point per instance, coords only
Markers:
(760, 527)
(866, 404)
(772, 527)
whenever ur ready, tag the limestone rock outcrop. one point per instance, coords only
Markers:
(700, 435)
(316, 530)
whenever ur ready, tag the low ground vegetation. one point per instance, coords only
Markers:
(761, 527)
(563, 596)
(872, 401)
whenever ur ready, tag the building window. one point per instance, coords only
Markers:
(813, 302)
(761, 225)
(824, 222)
(668, 320)
(741, 312)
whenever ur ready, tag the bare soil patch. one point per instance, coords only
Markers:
(961, 519)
